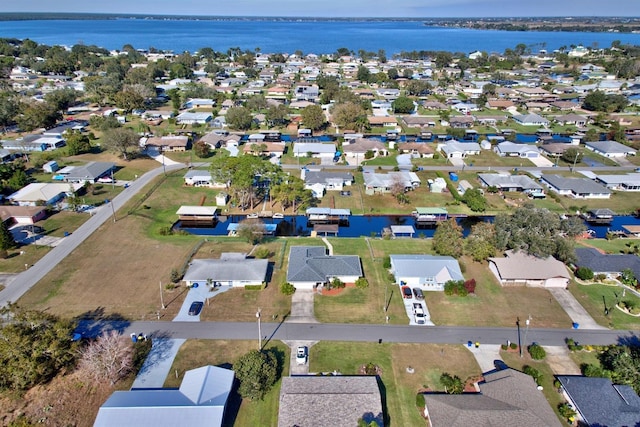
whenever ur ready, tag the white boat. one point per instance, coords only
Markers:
(278, 216)
(252, 215)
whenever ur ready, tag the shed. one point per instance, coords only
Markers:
(51, 166)
(402, 231)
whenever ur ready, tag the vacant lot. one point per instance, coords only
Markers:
(594, 298)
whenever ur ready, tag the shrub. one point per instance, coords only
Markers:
(470, 286)
(600, 277)
(386, 262)
(584, 273)
(174, 276)
(362, 283)
(337, 283)
(503, 347)
(567, 412)
(287, 288)
(591, 370)
(532, 372)
(537, 352)
(513, 346)
(262, 252)
(165, 231)
(254, 287)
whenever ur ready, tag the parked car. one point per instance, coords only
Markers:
(106, 180)
(345, 193)
(406, 292)
(301, 355)
(418, 313)
(196, 308)
(417, 292)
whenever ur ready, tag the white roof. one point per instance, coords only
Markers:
(197, 210)
(42, 191)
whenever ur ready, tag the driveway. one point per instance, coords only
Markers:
(201, 293)
(158, 363)
(574, 310)
(408, 306)
(559, 360)
(302, 307)
(486, 355)
(541, 162)
(294, 367)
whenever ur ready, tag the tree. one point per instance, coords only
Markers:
(347, 115)
(239, 118)
(537, 352)
(9, 107)
(34, 347)
(121, 140)
(480, 244)
(61, 99)
(313, 117)
(363, 74)
(128, 100)
(257, 372)
(77, 142)
(277, 115)
(599, 101)
(447, 240)
(452, 384)
(475, 200)
(107, 358)
(584, 273)
(6, 238)
(287, 288)
(252, 230)
(572, 155)
(403, 105)
(202, 149)
(36, 115)
(624, 364)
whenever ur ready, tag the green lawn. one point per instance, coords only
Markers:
(614, 246)
(594, 297)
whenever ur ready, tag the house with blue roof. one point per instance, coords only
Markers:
(428, 272)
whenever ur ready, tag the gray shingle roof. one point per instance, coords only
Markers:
(312, 264)
(506, 397)
(90, 171)
(509, 181)
(426, 266)
(227, 269)
(575, 185)
(323, 177)
(607, 263)
(336, 401)
(602, 403)
(609, 147)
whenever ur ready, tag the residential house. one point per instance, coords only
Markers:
(269, 149)
(309, 93)
(531, 119)
(59, 130)
(459, 150)
(200, 401)
(623, 182)
(508, 182)
(572, 119)
(416, 149)
(232, 269)
(511, 149)
(42, 193)
(356, 150)
(187, 118)
(319, 181)
(579, 188)
(217, 138)
(310, 267)
(611, 265)
(505, 397)
(425, 271)
(382, 121)
(598, 402)
(89, 172)
(418, 121)
(611, 149)
(554, 149)
(199, 103)
(465, 107)
(33, 143)
(461, 122)
(500, 104)
(202, 178)
(330, 400)
(167, 143)
(521, 269)
(385, 183)
(323, 150)
(28, 215)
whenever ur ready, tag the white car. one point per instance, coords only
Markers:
(301, 355)
(106, 180)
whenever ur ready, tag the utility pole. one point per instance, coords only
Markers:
(113, 211)
(526, 330)
(259, 330)
(519, 341)
(161, 297)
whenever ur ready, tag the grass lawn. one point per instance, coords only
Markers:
(593, 297)
(400, 387)
(613, 246)
(239, 412)
(585, 357)
(514, 361)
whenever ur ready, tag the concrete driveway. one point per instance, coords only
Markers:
(559, 360)
(294, 367)
(574, 310)
(486, 355)
(408, 306)
(302, 307)
(201, 293)
(158, 363)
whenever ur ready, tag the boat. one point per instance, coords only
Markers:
(599, 216)
(278, 216)
(252, 215)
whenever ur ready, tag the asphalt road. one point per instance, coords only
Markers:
(27, 279)
(364, 333)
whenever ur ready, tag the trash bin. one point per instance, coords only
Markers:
(134, 338)
(575, 325)
(477, 344)
(469, 343)
(66, 234)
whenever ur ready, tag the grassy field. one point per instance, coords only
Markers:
(594, 297)
(614, 246)
(239, 412)
(400, 387)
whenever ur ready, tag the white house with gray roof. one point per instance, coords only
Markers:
(425, 271)
(316, 149)
(384, 183)
(199, 402)
(232, 269)
(508, 182)
(579, 188)
(310, 267)
(611, 149)
(531, 119)
(511, 149)
(319, 181)
(86, 173)
(459, 150)
(623, 182)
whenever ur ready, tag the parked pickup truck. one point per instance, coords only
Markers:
(418, 313)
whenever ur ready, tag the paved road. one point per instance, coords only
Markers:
(25, 280)
(369, 333)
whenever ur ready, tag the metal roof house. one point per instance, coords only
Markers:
(610, 148)
(232, 269)
(199, 402)
(505, 182)
(579, 188)
(86, 173)
(310, 267)
(425, 271)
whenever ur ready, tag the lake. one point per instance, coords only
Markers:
(288, 36)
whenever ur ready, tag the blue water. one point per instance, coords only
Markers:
(372, 225)
(288, 36)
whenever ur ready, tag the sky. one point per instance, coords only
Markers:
(336, 8)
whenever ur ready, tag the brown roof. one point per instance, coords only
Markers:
(9, 211)
(168, 141)
(521, 266)
(418, 147)
(500, 103)
(381, 120)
